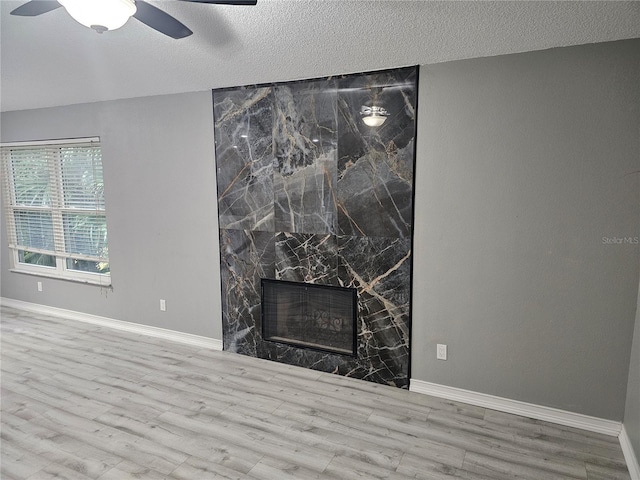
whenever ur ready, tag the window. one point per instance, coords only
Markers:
(55, 209)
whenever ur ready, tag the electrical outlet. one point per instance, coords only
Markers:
(163, 305)
(39, 286)
(441, 353)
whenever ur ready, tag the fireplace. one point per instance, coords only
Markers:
(306, 315)
(310, 194)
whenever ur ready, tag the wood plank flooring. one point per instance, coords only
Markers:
(86, 402)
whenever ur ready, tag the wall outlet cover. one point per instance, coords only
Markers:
(441, 352)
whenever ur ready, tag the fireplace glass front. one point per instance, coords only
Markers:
(310, 316)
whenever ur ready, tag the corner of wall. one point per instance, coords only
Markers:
(630, 434)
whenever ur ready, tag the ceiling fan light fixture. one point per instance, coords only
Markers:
(100, 15)
(373, 116)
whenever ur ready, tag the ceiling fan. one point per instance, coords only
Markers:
(103, 15)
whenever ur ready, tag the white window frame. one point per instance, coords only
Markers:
(60, 271)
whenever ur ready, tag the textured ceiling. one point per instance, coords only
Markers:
(52, 60)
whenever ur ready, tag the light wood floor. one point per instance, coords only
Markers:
(86, 402)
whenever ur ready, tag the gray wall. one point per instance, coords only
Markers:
(161, 211)
(524, 163)
(632, 407)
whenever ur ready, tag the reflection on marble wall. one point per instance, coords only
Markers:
(375, 165)
(308, 193)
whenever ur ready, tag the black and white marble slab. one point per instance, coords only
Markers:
(308, 193)
(375, 164)
(246, 258)
(245, 161)
(309, 258)
(305, 144)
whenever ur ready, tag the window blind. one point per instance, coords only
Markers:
(54, 199)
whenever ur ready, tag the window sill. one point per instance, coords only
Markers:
(100, 282)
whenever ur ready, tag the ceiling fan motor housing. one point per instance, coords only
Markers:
(104, 15)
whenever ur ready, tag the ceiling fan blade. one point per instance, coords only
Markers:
(35, 8)
(224, 2)
(160, 21)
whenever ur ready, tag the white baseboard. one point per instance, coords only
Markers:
(186, 338)
(629, 455)
(516, 407)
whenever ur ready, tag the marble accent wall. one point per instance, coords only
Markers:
(308, 193)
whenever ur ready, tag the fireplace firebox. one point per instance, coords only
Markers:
(306, 315)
